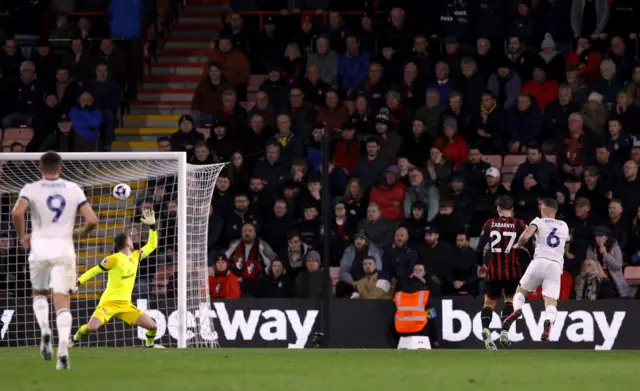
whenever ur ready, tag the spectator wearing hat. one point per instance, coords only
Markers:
(485, 200)
(581, 225)
(223, 284)
(505, 84)
(233, 63)
(275, 86)
(608, 254)
(207, 99)
(326, 60)
(520, 57)
(232, 113)
(430, 114)
(351, 269)
(347, 150)
(353, 66)
(65, 139)
(453, 147)
(542, 90)
(371, 168)
(389, 195)
(390, 141)
(524, 125)
(343, 227)
(311, 283)
(374, 284)
(435, 255)
(310, 226)
(586, 58)
(276, 283)
(608, 84)
(186, 137)
(291, 146)
(333, 114)
(553, 60)
(443, 84)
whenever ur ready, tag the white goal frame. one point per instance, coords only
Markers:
(181, 158)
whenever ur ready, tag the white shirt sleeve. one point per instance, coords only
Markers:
(80, 196)
(25, 194)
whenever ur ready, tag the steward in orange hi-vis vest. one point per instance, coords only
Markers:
(411, 313)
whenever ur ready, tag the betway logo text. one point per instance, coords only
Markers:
(576, 326)
(269, 325)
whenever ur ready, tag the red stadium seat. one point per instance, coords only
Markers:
(632, 275)
(514, 160)
(334, 271)
(551, 158)
(494, 160)
(21, 135)
(206, 132)
(257, 79)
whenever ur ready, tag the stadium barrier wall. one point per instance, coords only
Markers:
(290, 323)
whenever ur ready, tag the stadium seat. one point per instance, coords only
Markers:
(514, 160)
(206, 132)
(551, 158)
(21, 135)
(257, 79)
(247, 105)
(494, 160)
(632, 275)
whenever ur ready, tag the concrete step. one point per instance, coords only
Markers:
(198, 18)
(207, 26)
(163, 108)
(117, 212)
(148, 95)
(186, 52)
(190, 59)
(171, 86)
(177, 68)
(145, 121)
(145, 131)
(184, 33)
(134, 146)
(149, 137)
(188, 43)
(207, 9)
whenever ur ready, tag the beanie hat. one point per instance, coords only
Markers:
(450, 122)
(548, 42)
(382, 118)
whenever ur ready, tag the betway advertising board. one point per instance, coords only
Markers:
(291, 323)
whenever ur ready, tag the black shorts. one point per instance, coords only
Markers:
(493, 289)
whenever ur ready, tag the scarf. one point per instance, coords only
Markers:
(250, 267)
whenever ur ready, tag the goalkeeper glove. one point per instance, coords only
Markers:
(149, 218)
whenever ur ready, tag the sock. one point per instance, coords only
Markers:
(518, 301)
(41, 310)
(82, 332)
(485, 317)
(551, 312)
(63, 325)
(151, 337)
(507, 310)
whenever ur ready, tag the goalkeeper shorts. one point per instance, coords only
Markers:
(123, 310)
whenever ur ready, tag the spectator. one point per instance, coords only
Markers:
(617, 223)
(114, 60)
(455, 111)
(294, 253)
(64, 88)
(79, 61)
(439, 168)
(581, 227)
(232, 113)
(223, 284)
(487, 125)
(608, 84)
(633, 248)
(628, 189)
(389, 195)
(186, 137)
(256, 137)
(271, 168)
(363, 116)
(301, 112)
(525, 125)
(233, 63)
(399, 258)
(623, 59)
(411, 88)
(235, 29)
(264, 108)
(220, 142)
(374, 284)
(311, 282)
(10, 60)
(207, 99)
(453, 147)
(430, 113)
(237, 215)
(326, 61)
(390, 141)
(609, 172)
(275, 86)
(347, 149)
(278, 238)
(543, 90)
(351, 269)
(520, 57)
(474, 169)
(356, 199)
(416, 223)
(470, 84)
(555, 119)
(353, 65)
(553, 61)
(443, 83)
(45, 61)
(586, 58)
(464, 271)
(239, 170)
(293, 64)
(66, 139)
(579, 89)
(421, 190)
(333, 114)
(607, 253)
(28, 98)
(544, 171)
(414, 146)
(435, 255)
(628, 112)
(421, 57)
(250, 257)
(107, 96)
(505, 84)
(86, 119)
(374, 86)
(313, 87)
(276, 284)
(633, 88)
(589, 19)
(593, 190)
(593, 283)
(310, 225)
(290, 145)
(573, 151)
(376, 227)
(370, 168)
(618, 140)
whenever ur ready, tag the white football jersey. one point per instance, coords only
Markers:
(53, 205)
(551, 237)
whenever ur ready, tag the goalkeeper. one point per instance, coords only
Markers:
(122, 268)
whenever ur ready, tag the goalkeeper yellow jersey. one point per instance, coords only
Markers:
(121, 270)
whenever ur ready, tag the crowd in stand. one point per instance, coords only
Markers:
(417, 102)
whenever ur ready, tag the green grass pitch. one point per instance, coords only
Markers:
(319, 370)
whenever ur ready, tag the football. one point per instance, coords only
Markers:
(122, 191)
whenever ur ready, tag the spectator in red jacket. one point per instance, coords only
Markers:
(389, 195)
(543, 90)
(334, 114)
(453, 146)
(587, 59)
(222, 283)
(348, 147)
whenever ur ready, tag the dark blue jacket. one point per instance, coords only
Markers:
(525, 127)
(444, 90)
(353, 70)
(86, 123)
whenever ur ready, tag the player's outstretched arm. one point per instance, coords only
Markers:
(90, 219)
(103, 266)
(148, 218)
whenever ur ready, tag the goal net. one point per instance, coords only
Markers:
(171, 284)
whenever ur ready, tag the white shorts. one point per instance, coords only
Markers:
(543, 272)
(58, 275)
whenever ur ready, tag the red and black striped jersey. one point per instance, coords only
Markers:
(502, 233)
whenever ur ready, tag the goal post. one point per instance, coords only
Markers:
(174, 280)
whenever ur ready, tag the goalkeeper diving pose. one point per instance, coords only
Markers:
(122, 268)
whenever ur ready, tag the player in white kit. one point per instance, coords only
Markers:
(546, 267)
(53, 203)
